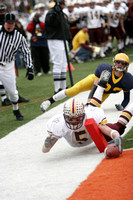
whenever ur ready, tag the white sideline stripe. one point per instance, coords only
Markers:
(28, 174)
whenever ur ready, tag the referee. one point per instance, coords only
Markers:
(11, 41)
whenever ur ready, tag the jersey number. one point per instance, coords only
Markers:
(80, 136)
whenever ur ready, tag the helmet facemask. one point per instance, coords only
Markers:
(74, 114)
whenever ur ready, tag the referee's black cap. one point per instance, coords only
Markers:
(10, 17)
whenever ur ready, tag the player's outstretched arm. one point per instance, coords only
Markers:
(49, 143)
(112, 134)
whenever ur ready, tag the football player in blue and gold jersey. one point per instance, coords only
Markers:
(119, 80)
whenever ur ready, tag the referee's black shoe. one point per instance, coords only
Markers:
(22, 100)
(18, 115)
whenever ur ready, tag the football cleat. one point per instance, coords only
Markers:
(22, 99)
(6, 102)
(45, 105)
(104, 78)
(18, 115)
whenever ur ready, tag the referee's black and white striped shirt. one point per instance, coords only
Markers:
(10, 43)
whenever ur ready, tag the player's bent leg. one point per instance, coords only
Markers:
(46, 104)
(83, 85)
(105, 96)
(126, 115)
(97, 97)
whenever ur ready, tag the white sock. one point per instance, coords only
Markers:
(15, 106)
(99, 93)
(127, 114)
(60, 95)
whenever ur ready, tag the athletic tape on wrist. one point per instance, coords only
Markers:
(113, 131)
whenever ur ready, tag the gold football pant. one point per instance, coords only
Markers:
(83, 85)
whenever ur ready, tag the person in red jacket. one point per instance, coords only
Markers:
(39, 47)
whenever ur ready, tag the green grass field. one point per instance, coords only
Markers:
(42, 88)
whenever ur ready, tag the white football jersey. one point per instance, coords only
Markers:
(115, 15)
(93, 16)
(56, 126)
(72, 16)
(105, 11)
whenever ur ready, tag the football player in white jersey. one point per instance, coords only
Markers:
(94, 13)
(73, 17)
(105, 28)
(116, 24)
(71, 123)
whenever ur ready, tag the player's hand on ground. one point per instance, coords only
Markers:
(119, 107)
(30, 74)
(118, 142)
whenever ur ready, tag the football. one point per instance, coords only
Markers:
(111, 151)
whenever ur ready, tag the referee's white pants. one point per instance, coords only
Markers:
(8, 79)
(58, 55)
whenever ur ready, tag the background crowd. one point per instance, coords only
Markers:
(104, 20)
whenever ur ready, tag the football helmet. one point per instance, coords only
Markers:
(121, 58)
(74, 113)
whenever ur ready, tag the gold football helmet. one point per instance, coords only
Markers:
(123, 59)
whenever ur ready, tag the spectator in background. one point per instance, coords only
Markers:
(81, 49)
(94, 12)
(73, 17)
(130, 18)
(116, 24)
(23, 21)
(56, 20)
(35, 10)
(38, 43)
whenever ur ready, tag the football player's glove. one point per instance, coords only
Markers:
(119, 107)
(118, 142)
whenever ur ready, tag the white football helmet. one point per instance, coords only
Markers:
(74, 113)
(123, 58)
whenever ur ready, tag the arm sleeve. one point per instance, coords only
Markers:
(98, 71)
(31, 26)
(42, 25)
(126, 99)
(86, 47)
(26, 53)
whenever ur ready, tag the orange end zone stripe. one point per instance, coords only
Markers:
(112, 179)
